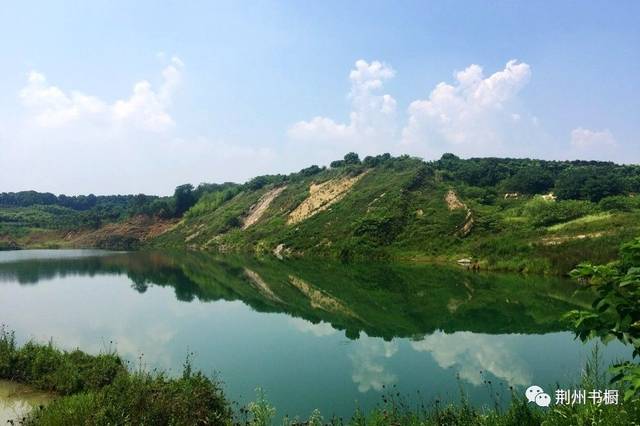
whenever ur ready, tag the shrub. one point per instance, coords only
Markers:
(545, 213)
(619, 203)
(99, 389)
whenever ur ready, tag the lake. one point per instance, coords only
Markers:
(312, 334)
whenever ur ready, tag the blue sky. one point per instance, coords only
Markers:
(128, 97)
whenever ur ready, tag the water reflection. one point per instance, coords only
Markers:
(474, 354)
(369, 370)
(313, 334)
(381, 300)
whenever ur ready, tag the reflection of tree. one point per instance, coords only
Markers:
(381, 300)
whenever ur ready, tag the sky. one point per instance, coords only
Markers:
(138, 97)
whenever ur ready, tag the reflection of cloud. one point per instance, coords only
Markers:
(473, 353)
(320, 329)
(368, 369)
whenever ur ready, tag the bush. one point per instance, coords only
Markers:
(619, 203)
(545, 213)
(99, 389)
(47, 368)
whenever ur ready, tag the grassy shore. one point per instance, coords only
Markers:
(103, 389)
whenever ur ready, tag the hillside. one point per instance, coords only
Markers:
(404, 208)
(512, 214)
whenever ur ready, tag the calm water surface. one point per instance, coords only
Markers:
(311, 334)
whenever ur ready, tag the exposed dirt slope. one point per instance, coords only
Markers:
(321, 196)
(131, 232)
(454, 203)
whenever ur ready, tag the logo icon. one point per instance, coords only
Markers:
(536, 394)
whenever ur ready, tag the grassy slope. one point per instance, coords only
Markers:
(410, 221)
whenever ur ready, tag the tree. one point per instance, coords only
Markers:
(530, 180)
(310, 171)
(616, 311)
(184, 198)
(351, 158)
(588, 183)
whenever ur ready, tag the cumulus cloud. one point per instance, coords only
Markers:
(372, 116)
(52, 107)
(471, 354)
(78, 143)
(146, 108)
(588, 139)
(476, 115)
(369, 371)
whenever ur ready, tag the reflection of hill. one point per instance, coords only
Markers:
(382, 300)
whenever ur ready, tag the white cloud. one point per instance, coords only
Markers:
(476, 115)
(76, 143)
(589, 139)
(146, 108)
(472, 354)
(371, 120)
(52, 107)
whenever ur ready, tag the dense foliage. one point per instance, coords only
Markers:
(576, 180)
(100, 389)
(617, 308)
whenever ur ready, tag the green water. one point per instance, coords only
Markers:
(17, 400)
(313, 334)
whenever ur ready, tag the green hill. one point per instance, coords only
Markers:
(513, 214)
(499, 212)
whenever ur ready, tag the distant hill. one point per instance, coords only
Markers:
(515, 214)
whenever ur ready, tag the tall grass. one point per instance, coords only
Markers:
(395, 410)
(101, 389)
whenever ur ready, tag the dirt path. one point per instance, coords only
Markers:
(258, 209)
(554, 241)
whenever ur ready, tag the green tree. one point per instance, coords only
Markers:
(616, 312)
(530, 180)
(589, 183)
(351, 158)
(184, 198)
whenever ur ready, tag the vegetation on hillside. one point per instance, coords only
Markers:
(397, 209)
(517, 214)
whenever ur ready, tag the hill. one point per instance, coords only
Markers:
(505, 213)
(516, 214)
